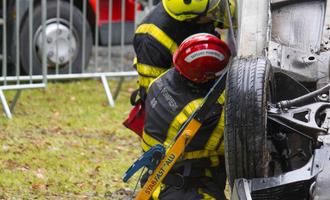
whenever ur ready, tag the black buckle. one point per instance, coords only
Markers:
(176, 180)
(180, 178)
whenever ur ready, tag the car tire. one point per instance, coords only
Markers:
(77, 31)
(247, 93)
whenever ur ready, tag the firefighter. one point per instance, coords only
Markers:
(171, 99)
(159, 34)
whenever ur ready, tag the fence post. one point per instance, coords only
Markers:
(5, 105)
(107, 91)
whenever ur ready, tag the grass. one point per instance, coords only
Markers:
(65, 142)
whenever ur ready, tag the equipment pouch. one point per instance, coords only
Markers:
(135, 120)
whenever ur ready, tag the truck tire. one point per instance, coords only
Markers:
(69, 45)
(247, 93)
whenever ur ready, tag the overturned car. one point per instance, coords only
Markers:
(277, 101)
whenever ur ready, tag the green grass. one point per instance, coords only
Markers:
(65, 142)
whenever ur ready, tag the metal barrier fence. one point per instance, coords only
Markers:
(65, 39)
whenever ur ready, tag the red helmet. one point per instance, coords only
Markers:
(201, 57)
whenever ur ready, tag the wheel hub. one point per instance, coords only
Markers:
(60, 43)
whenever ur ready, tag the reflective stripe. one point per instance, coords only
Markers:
(145, 81)
(227, 190)
(200, 154)
(149, 70)
(157, 78)
(212, 142)
(215, 161)
(148, 141)
(159, 35)
(147, 73)
(205, 195)
(180, 119)
(145, 146)
(217, 133)
(221, 99)
(221, 149)
(210, 151)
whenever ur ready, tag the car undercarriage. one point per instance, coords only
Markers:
(277, 101)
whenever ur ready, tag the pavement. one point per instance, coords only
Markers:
(121, 59)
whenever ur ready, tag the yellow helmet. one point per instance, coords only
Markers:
(187, 9)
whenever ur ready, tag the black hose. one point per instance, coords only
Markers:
(301, 99)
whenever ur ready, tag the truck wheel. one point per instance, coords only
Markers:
(247, 93)
(62, 45)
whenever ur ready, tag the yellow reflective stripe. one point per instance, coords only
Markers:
(215, 161)
(176, 124)
(221, 99)
(159, 35)
(148, 141)
(180, 119)
(221, 149)
(227, 190)
(145, 81)
(145, 146)
(157, 78)
(149, 70)
(212, 142)
(199, 154)
(217, 133)
(205, 195)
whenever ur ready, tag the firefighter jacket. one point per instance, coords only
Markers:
(156, 40)
(170, 101)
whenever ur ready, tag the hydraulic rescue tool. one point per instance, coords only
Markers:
(149, 159)
(160, 163)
